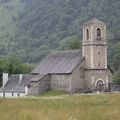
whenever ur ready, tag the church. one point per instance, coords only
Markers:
(73, 71)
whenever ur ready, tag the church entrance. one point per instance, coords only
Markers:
(100, 86)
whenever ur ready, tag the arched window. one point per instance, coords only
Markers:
(98, 33)
(87, 33)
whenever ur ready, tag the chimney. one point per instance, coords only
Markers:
(20, 78)
(5, 79)
(26, 90)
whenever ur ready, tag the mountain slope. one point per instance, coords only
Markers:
(41, 25)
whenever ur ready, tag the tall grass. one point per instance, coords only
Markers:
(86, 107)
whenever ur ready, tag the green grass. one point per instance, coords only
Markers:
(77, 107)
(54, 93)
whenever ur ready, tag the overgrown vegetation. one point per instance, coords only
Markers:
(84, 107)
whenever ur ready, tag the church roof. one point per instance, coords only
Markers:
(59, 62)
(38, 77)
(94, 21)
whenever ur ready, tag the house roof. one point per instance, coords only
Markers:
(59, 62)
(94, 21)
(15, 85)
(11, 84)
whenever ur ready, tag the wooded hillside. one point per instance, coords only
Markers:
(31, 29)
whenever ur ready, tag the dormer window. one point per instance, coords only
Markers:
(98, 33)
(87, 33)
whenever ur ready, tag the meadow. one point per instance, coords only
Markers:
(63, 107)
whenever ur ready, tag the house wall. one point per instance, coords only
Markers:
(10, 94)
(40, 86)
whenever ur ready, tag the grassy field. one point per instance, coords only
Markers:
(64, 107)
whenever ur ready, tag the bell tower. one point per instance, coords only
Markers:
(94, 44)
(95, 52)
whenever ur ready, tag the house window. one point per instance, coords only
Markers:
(18, 94)
(87, 33)
(98, 33)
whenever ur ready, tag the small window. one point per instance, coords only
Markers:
(87, 31)
(98, 33)
(99, 64)
(12, 93)
(82, 72)
(99, 53)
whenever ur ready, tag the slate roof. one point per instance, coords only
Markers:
(11, 84)
(59, 62)
(38, 77)
(14, 85)
(94, 21)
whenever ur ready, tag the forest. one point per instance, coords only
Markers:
(31, 29)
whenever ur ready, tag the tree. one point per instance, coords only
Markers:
(70, 43)
(13, 65)
(116, 60)
(116, 77)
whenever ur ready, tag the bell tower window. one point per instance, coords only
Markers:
(87, 33)
(99, 64)
(98, 33)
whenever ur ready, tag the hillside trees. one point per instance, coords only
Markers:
(70, 43)
(42, 26)
(50, 22)
(116, 77)
(13, 65)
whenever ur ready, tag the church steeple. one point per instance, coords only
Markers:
(94, 44)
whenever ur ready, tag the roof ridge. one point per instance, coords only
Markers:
(65, 51)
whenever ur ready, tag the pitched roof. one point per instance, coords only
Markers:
(15, 85)
(59, 62)
(24, 82)
(38, 77)
(94, 21)
(11, 84)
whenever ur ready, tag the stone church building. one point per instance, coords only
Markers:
(73, 70)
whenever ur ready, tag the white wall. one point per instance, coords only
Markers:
(9, 94)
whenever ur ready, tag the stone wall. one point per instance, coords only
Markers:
(69, 82)
(40, 86)
(94, 47)
(93, 76)
(61, 82)
(110, 74)
(78, 78)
